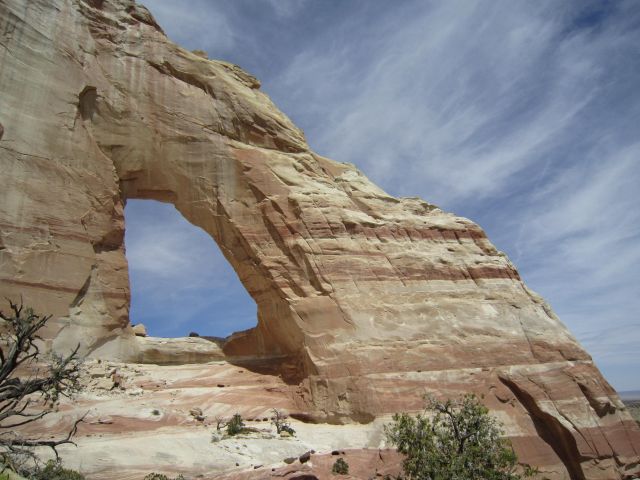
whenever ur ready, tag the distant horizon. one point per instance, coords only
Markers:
(522, 117)
(629, 394)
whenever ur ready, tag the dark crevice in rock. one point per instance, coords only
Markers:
(550, 430)
(601, 408)
(104, 247)
(87, 102)
(113, 240)
(95, 3)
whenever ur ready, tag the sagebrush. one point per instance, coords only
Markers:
(340, 467)
(160, 476)
(235, 425)
(54, 470)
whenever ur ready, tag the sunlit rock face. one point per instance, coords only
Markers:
(365, 301)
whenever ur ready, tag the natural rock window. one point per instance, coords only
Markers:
(181, 284)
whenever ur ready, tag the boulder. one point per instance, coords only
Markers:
(139, 330)
(305, 457)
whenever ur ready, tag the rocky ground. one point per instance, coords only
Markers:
(144, 418)
(634, 409)
(149, 418)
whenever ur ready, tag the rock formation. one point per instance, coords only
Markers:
(139, 330)
(165, 417)
(365, 301)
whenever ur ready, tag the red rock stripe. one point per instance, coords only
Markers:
(46, 232)
(59, 288)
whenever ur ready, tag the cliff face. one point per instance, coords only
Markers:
(365, 301)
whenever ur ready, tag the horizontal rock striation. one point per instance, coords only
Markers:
(365, 301)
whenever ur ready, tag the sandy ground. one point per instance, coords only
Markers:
(149, 426)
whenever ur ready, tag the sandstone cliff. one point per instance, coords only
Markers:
(365, 301)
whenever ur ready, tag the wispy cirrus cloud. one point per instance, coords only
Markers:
(584, 230)
(523, 116)
(286, 8)
(213, 29)
(462, 95)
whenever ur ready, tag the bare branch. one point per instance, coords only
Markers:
(53, 444)
(221, 422)
(28, 397)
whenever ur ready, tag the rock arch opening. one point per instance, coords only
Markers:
(181, 284)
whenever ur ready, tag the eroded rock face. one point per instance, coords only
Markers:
(365, 301)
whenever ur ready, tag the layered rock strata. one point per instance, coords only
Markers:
(365, 301)
(147, 424)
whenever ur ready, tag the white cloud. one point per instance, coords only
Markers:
(212, 31)
(286, 8)
(166, 249)
(582, 236)
(461, 95)
(519, 111)
(595, 200)
(522, 115)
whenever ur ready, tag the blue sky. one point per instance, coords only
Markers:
(522, 116)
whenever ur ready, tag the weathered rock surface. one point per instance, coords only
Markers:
(365, 301)
(177, 351)
(139, 330)
(165, 421)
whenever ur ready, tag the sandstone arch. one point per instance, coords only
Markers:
(364, 300)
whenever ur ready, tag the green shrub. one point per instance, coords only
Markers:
(235, 425)
(459, 441)
(55, 471)
(160, 476)
(340, 467)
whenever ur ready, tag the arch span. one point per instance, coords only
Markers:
(364, 300)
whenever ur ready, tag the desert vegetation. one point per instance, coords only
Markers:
(454, 439)
(236, 425)
(634, 409)
(160, 476)
(340, 467)
(31, 385)
(279, 420)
